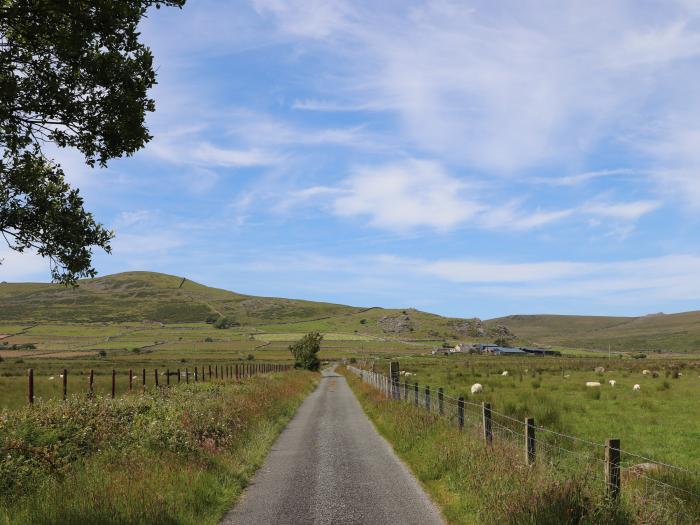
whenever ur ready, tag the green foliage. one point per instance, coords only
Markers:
(208, 340)
(250, 357)
(305, 351)
(102, 353)
(178, 455)
(223, 322)
(75, 77)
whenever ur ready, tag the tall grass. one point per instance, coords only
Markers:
(179, 455)
(476, 483)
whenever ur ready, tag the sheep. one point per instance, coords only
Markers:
(567, 376)
(636, 388)
(646, 372)
(504, 373)
(51, 378)
(476, 388)
(592, 383)
(599, 369)
(409, 374)
(61, 376)
(612, 382)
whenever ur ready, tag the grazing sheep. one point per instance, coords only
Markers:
(636, 388)
(567, 376)
(51, 378)
(646, 372)
(599, 369)
(593, 383)
(409, 374)
(612, 382)
(504, 373)
(61, 376)
(135, 377)
(476, 388)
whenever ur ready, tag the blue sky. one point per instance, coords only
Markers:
(466, 158)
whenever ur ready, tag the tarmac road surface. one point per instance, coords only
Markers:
(330, 466)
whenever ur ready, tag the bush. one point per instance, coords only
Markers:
(305, 351)
(222, 322)
(251, 357)
(102, 353)
(363, 321)
(208, 340)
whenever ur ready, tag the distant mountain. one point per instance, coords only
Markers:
(157, 297)
(649, 333)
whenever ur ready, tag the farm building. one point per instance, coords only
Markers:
(503, 350)
(539, 351)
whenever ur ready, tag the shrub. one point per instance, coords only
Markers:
(250, 357)
(102, 353)
(363, 321)
(222, 322)
(305, 351)
(136, 350)
(208, 340)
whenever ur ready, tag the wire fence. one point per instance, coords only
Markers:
(139, 380)
(661, 492)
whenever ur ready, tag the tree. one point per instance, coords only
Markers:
(73, 74)
(305, 350)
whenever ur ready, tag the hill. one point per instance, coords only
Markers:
(660, 333)
(161, 298)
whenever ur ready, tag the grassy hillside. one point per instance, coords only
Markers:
(147, 298)
(651, 333)
(139, 296)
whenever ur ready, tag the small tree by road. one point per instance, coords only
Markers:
(305, 351)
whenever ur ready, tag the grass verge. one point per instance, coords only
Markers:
(475, 483)
(180, 455)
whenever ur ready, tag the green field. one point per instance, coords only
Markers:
(661, 421)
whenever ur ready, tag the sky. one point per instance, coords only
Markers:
(468, 158)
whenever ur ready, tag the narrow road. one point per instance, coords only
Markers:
(330, 466)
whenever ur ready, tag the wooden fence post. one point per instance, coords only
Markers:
(155, 375)
(187, 376)
(196, 374)
(178, 376)
(530, 441)
(216, 372)
(488, 431)
(405, 390)
(65, 384)
(427, 398)
(143, 379)
(92, 382)
(209, 372)
(114, 383)
(612, 468)
(441, 410)
(394, 377)
(167, 377)
(30, 392)
(460, 412)
(415, 393)
(131, 380)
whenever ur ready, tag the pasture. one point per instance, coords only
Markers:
(661, 420)
(49, 347)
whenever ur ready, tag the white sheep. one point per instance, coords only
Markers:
(51, 378)
(61, 376)
(612, 382)
(636, 388)
(476, 388)
(646, 372)
(504, 373)
(599, 369)
(409, 374)
(592, 383)
(135, 377)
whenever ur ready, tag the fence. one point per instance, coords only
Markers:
(217, 372)
(648, 483)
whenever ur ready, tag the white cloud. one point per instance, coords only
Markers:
(626, 211)
(407, 195)
(125, 244)
(26, 266)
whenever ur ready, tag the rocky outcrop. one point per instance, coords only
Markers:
(396, 324)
